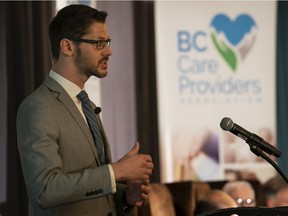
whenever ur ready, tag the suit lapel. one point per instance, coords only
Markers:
(66, 100)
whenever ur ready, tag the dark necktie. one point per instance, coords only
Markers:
(92, 122)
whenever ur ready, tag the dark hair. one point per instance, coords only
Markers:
(273, 186)
(72, 21)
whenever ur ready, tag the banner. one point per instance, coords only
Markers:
(214, 60)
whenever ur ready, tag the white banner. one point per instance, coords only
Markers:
(214, 60)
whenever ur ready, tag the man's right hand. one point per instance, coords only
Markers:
(133, 166)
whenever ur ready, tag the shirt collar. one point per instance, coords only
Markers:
(71, 88)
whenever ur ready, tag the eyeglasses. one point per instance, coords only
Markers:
(247, 202)
(100, 44)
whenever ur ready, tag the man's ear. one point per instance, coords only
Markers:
(66, 47)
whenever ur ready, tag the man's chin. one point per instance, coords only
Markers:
(101, 74)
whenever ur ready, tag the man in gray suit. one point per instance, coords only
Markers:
(60, 160)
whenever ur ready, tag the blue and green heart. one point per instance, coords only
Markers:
(233, 39)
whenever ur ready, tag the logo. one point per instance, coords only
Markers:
(233, 39)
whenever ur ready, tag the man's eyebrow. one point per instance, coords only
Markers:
(103, 38)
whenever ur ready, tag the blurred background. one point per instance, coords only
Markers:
(160, 48)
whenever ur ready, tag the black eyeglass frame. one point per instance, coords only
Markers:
(96, 42)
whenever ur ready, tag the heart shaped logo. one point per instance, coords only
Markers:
(233, 39)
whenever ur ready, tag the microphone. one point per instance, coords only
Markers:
(97, 110)
(228, 125)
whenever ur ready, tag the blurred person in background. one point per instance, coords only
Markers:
(214, 200)
(242, 192)
(275, 192)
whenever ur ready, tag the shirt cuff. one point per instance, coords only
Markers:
(112, 178)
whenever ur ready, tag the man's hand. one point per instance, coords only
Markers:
(133, 166)
(136, 192)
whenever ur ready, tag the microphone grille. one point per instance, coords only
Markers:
(226, 124)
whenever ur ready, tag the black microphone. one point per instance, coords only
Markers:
(97, 110)
(228, 125)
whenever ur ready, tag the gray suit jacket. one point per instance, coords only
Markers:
(59, 158)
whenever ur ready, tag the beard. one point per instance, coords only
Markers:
(85, 66)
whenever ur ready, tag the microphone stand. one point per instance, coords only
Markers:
(257, 151)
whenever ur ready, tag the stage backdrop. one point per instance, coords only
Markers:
(214, 60)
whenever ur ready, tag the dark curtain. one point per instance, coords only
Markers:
(146, 98)
(282, 83)
(27, 63)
